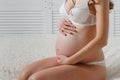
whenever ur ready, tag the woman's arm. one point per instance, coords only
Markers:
(102, 27)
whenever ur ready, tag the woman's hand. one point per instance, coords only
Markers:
(65, 26)
(61, 59)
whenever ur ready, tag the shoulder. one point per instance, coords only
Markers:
(101, 5)
(101, 2)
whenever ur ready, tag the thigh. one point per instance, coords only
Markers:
(71, 72)
(37, 66)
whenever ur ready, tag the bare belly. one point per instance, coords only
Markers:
(70, 44)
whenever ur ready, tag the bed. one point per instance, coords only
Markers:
(18, 51)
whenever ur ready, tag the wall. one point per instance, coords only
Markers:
(40, 17)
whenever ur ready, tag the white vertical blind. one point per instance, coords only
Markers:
(40, 17)
(117, 23)
(25, 16)
(116, 18)
(56, 15)
(21, 22)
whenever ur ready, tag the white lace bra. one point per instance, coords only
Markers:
(80, 16)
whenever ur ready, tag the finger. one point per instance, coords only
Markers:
(66, 23)
(58, 60)
(69, 25)
(58, 57)
(70, 28)
(73, 26)
(69, 21)
(66, 19)
(62, 30)
(68, 31)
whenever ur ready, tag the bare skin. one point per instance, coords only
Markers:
(50, 69)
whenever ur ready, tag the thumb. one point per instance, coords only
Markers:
(58, 59)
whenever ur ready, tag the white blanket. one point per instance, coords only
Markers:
(18, 51)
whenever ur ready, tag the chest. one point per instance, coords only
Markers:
(76, 11)
(74, 5)
(80, 14)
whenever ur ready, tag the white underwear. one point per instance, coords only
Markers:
(102, 63)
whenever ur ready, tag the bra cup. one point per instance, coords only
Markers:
(81, 15)
(77, 15)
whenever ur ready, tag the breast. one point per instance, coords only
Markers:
(80, 15)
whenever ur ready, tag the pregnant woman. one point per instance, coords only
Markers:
(79, 56)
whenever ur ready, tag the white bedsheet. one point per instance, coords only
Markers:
(18, 51)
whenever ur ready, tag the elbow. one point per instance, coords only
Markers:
(102, 42)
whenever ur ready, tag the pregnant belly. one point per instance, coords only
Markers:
(70, 44)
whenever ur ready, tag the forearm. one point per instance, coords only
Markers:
(88, 50)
